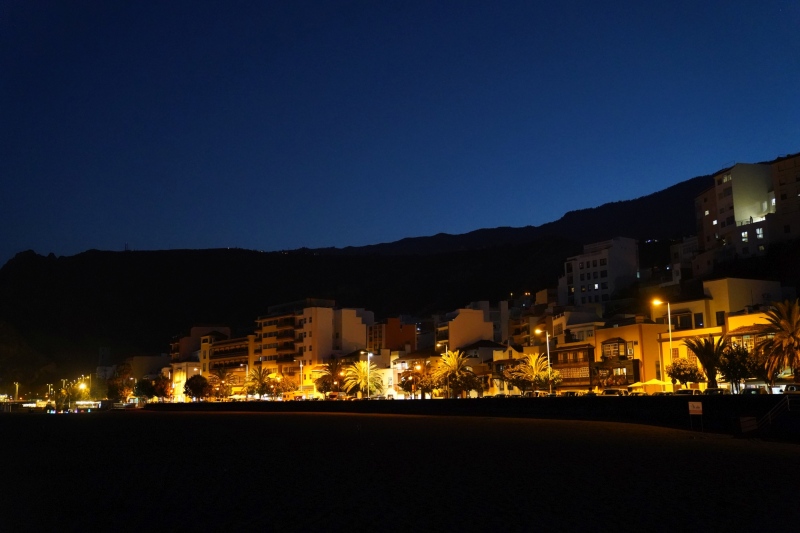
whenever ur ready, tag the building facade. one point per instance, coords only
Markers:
(596, 275)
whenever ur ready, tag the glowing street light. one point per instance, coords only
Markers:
(549, 368)
(657, 302)
(369, 354)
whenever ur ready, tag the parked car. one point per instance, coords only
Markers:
(662, 393)
(535, 394)
(754, 390)
(637, 393)
(688, 392)
(716, 390)
(614, 392)
(792, 388)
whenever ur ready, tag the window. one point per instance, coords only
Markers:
(706, 212)
(604, 285)
(720, 318)
(698, 320)
(582, 277)
(597, 286)
(594, 263)
(603, 262)
(604, 273)
(744, 236)
(714, 223)
(580, 265)
(595, 274)
(682, 321)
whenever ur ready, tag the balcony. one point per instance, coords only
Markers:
(287, 347)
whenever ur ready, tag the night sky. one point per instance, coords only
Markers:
(278, 125)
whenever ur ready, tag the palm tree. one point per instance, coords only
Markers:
(709, 353)
(452, 369)
(258, 381)
(530, 368)
(220, 379)
(361, 375)
(332, 373)
(782, 345)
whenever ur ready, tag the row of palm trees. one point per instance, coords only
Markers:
(778, 348)
(452, 374)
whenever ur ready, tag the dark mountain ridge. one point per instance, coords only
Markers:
(65, 309)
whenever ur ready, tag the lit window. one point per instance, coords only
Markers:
(759, 233)
(706, 212)
(714, 223)
(744, 236)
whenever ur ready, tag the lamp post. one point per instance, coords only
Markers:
(369, 354)
(549, 368)
(448, 375)
(669, 326)
(16, 394)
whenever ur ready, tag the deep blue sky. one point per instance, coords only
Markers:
(277, 125)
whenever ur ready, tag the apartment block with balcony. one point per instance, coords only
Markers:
(293, 337)
(750, 207)
(706, 313)
(233, 355)
(599, 272)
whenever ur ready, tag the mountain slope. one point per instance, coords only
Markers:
(66, 308)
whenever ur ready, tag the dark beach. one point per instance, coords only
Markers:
(164, 471)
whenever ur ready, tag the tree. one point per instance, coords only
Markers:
(220, 381)
(281, 384)
(684, 371)
(451, 370)
(258, 381)
(120, 387)
(548, 379)
(782, 345)
(144, 389)
(526, 372)
(197, 387)
(709, 354)
(362, 377)
(331, 378)
(162, 386)
(733, 365)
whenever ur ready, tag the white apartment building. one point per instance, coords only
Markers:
(295, 338)
(749, 207)
(602, 269)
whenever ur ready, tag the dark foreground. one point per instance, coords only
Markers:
(161, 471)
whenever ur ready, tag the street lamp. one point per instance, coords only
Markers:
(549, 368)
(448, 375)
(369, 354)
(669, 325)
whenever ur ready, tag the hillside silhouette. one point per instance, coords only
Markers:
(59, 312)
